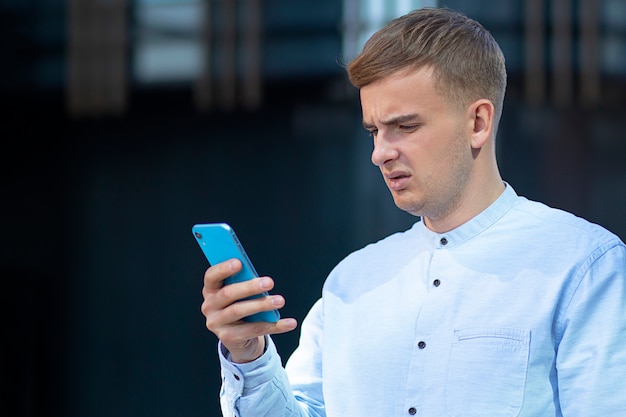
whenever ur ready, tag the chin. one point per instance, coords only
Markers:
(410, 207)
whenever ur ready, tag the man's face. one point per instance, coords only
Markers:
(421, 143)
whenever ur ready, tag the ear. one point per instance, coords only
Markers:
(481, 114)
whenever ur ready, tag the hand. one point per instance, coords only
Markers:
(224, 313)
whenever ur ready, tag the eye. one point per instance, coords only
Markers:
(372, 132)
(408, 128)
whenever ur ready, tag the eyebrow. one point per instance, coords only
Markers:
(396, 120)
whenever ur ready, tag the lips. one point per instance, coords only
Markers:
(397, 180)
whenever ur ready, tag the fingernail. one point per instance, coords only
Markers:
(291, 322)
(265, 283)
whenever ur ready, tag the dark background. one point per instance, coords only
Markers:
(101, 277)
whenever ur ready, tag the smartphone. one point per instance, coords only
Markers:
(219, 243)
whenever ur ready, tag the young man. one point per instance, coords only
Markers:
(491, 305)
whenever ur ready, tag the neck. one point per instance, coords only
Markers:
(477, 196)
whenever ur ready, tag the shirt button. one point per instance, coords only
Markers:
(421, 344)
(412, 411)
(236, 377)
(436, 283)
(443, 241)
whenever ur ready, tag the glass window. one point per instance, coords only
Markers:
(166, 40)
(364, 17)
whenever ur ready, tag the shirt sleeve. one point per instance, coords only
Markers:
(591, 357)
(262, 388)
(258, 388)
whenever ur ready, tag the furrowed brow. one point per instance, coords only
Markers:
(395, 120)
(398, 120)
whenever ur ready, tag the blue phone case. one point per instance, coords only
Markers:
(219, 243)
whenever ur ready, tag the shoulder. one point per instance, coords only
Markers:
(387, 249)
(558, 230)
(376, 260)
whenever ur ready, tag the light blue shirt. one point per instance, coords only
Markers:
(519, 312)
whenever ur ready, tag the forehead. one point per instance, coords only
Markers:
(404, 92)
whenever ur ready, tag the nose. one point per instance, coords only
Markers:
(383, 152)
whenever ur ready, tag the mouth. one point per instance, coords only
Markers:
(397, 180)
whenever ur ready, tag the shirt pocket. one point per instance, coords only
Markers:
(487, 372)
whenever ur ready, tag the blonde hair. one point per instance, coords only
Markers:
(466, 60)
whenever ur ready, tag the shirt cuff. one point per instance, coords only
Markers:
(240, 376)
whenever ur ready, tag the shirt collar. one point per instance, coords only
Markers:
(476, 225)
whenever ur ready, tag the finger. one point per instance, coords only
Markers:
(228, 323)
(238, 333)
(215, 275)
(284, 326)
(218, 304)
(256, 287)
(242, 308)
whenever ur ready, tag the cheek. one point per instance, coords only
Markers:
(442, 159)
(428, 155)
(460, 161)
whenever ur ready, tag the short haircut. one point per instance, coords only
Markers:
(466, 60)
